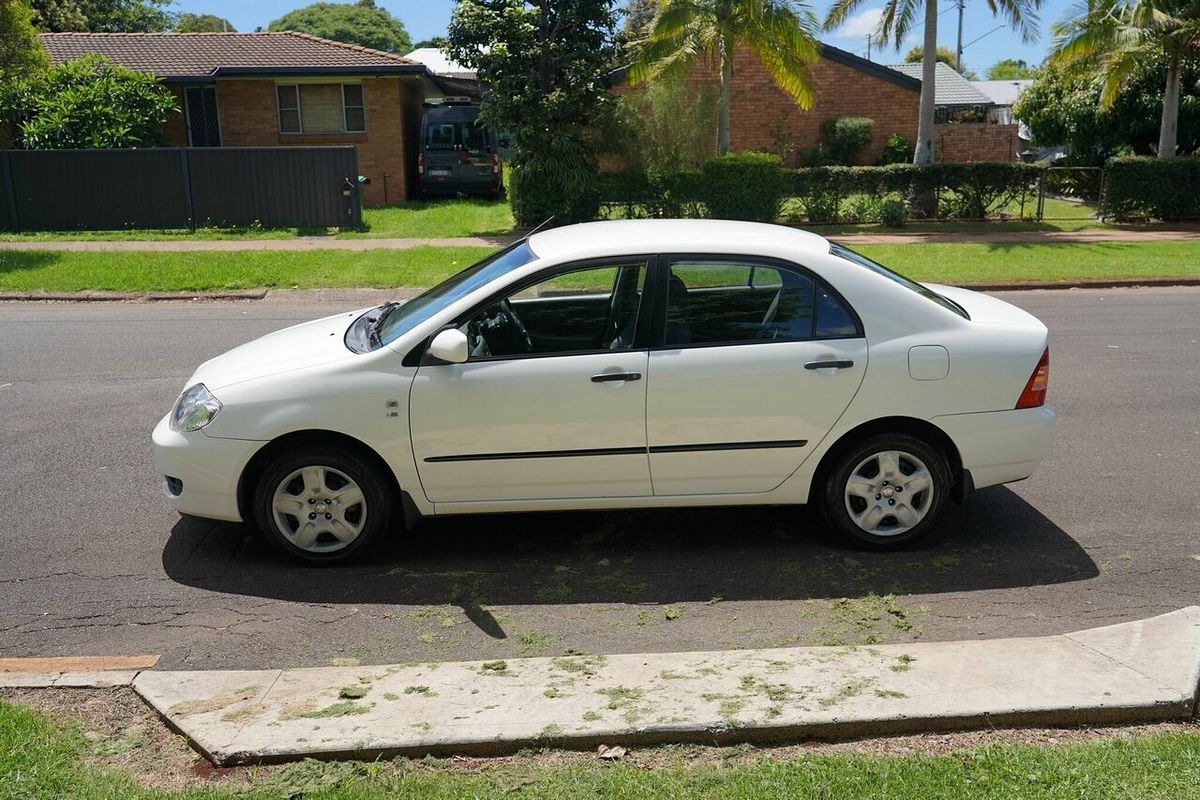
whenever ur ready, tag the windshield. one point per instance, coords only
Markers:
(401, 319)
(924, 291)
(468, 136)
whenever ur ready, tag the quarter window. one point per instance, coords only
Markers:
(714, 302)
(321, 108)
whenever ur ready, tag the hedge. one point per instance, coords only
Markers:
(1152, 188)
(753, 185)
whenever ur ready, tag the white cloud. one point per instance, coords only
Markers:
(864, 23)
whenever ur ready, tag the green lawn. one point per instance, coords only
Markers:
(41, 760)
(438, 218)
(59, 271)
(434, 219)
(990, 263)
(64, 271)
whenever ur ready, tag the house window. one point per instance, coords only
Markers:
(321, 108)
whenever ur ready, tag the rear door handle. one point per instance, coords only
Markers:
(841, 363)
(606, 377)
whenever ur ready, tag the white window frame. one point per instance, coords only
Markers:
(295, 87)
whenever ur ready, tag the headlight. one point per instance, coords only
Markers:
(194, 409)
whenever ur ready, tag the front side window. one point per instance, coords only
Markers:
(321, 108)
(715, 302)
(588, 309)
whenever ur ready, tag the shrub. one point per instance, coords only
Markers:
(898, 150)
(747, 186)
(861, 208)
(846, 137)
(892, 213)
(1152, 188)
(84, 103)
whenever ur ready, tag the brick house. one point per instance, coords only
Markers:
(272, 89)
(765, 118)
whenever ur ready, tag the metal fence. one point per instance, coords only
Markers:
(181, 187)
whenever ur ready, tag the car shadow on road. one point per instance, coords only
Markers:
(997, 540)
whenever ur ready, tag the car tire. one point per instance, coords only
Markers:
(322, 505)
(886, 491)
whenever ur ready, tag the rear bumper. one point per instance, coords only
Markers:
(200, 473)
(1001, 446)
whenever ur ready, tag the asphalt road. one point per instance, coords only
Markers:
(94, 562)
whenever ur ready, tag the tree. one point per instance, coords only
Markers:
(544, 64)
(1062, 107)
(437, 41)
(203, 23)
(898, 19)
(944, 55)
(362, 23)
(685, 33)
(1119, 36)
(1011, 69)
(103, 16)
(87, 102)
(20, 50)
(636, 16)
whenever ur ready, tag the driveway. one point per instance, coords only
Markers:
(94, 563)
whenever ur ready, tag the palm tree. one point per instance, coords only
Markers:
(780, 32)
(898, 19)
(1120, 36)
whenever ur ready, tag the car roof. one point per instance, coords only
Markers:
(674, 236)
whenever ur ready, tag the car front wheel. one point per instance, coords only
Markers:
(887, 490)
(321, 505)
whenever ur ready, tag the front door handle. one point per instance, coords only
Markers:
(840, 363)
(606, 377)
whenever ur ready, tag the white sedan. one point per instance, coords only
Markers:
(620, 365)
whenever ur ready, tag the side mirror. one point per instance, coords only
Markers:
(449, 346)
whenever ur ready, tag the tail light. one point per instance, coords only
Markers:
(420, 163)
(1035, 390)
(496, 164)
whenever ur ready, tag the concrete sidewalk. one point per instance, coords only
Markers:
(1139, 671)
(1090, 235)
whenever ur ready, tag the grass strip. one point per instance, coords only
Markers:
(39, 758)
(68, 271)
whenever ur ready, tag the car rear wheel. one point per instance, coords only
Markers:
(321, 505)
(887, 490)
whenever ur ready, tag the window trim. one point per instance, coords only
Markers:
(665, 260)
(648, 262)
(295, 87)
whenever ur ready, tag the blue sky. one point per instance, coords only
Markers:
(426, 18)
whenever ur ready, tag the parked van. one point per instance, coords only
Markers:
(456, 154)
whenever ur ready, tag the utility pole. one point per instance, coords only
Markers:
(958, 52)
(868, 47)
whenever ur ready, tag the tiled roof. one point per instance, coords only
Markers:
(949, 88)
(192, 56)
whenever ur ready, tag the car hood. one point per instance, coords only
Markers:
(309, 344)
(987, 309)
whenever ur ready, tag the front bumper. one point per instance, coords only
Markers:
(207, 470)
(1001, 446)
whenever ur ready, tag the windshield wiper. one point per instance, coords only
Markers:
(376, 322)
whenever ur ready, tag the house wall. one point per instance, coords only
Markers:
(975, 141)
(249, 119)
(760, 107)
(175, 128)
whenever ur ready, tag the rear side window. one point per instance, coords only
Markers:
(924, 291)
(714, 302)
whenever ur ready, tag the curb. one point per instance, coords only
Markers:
(1115, 283)
(135, 297)
(261, 294)
(1140, 671)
